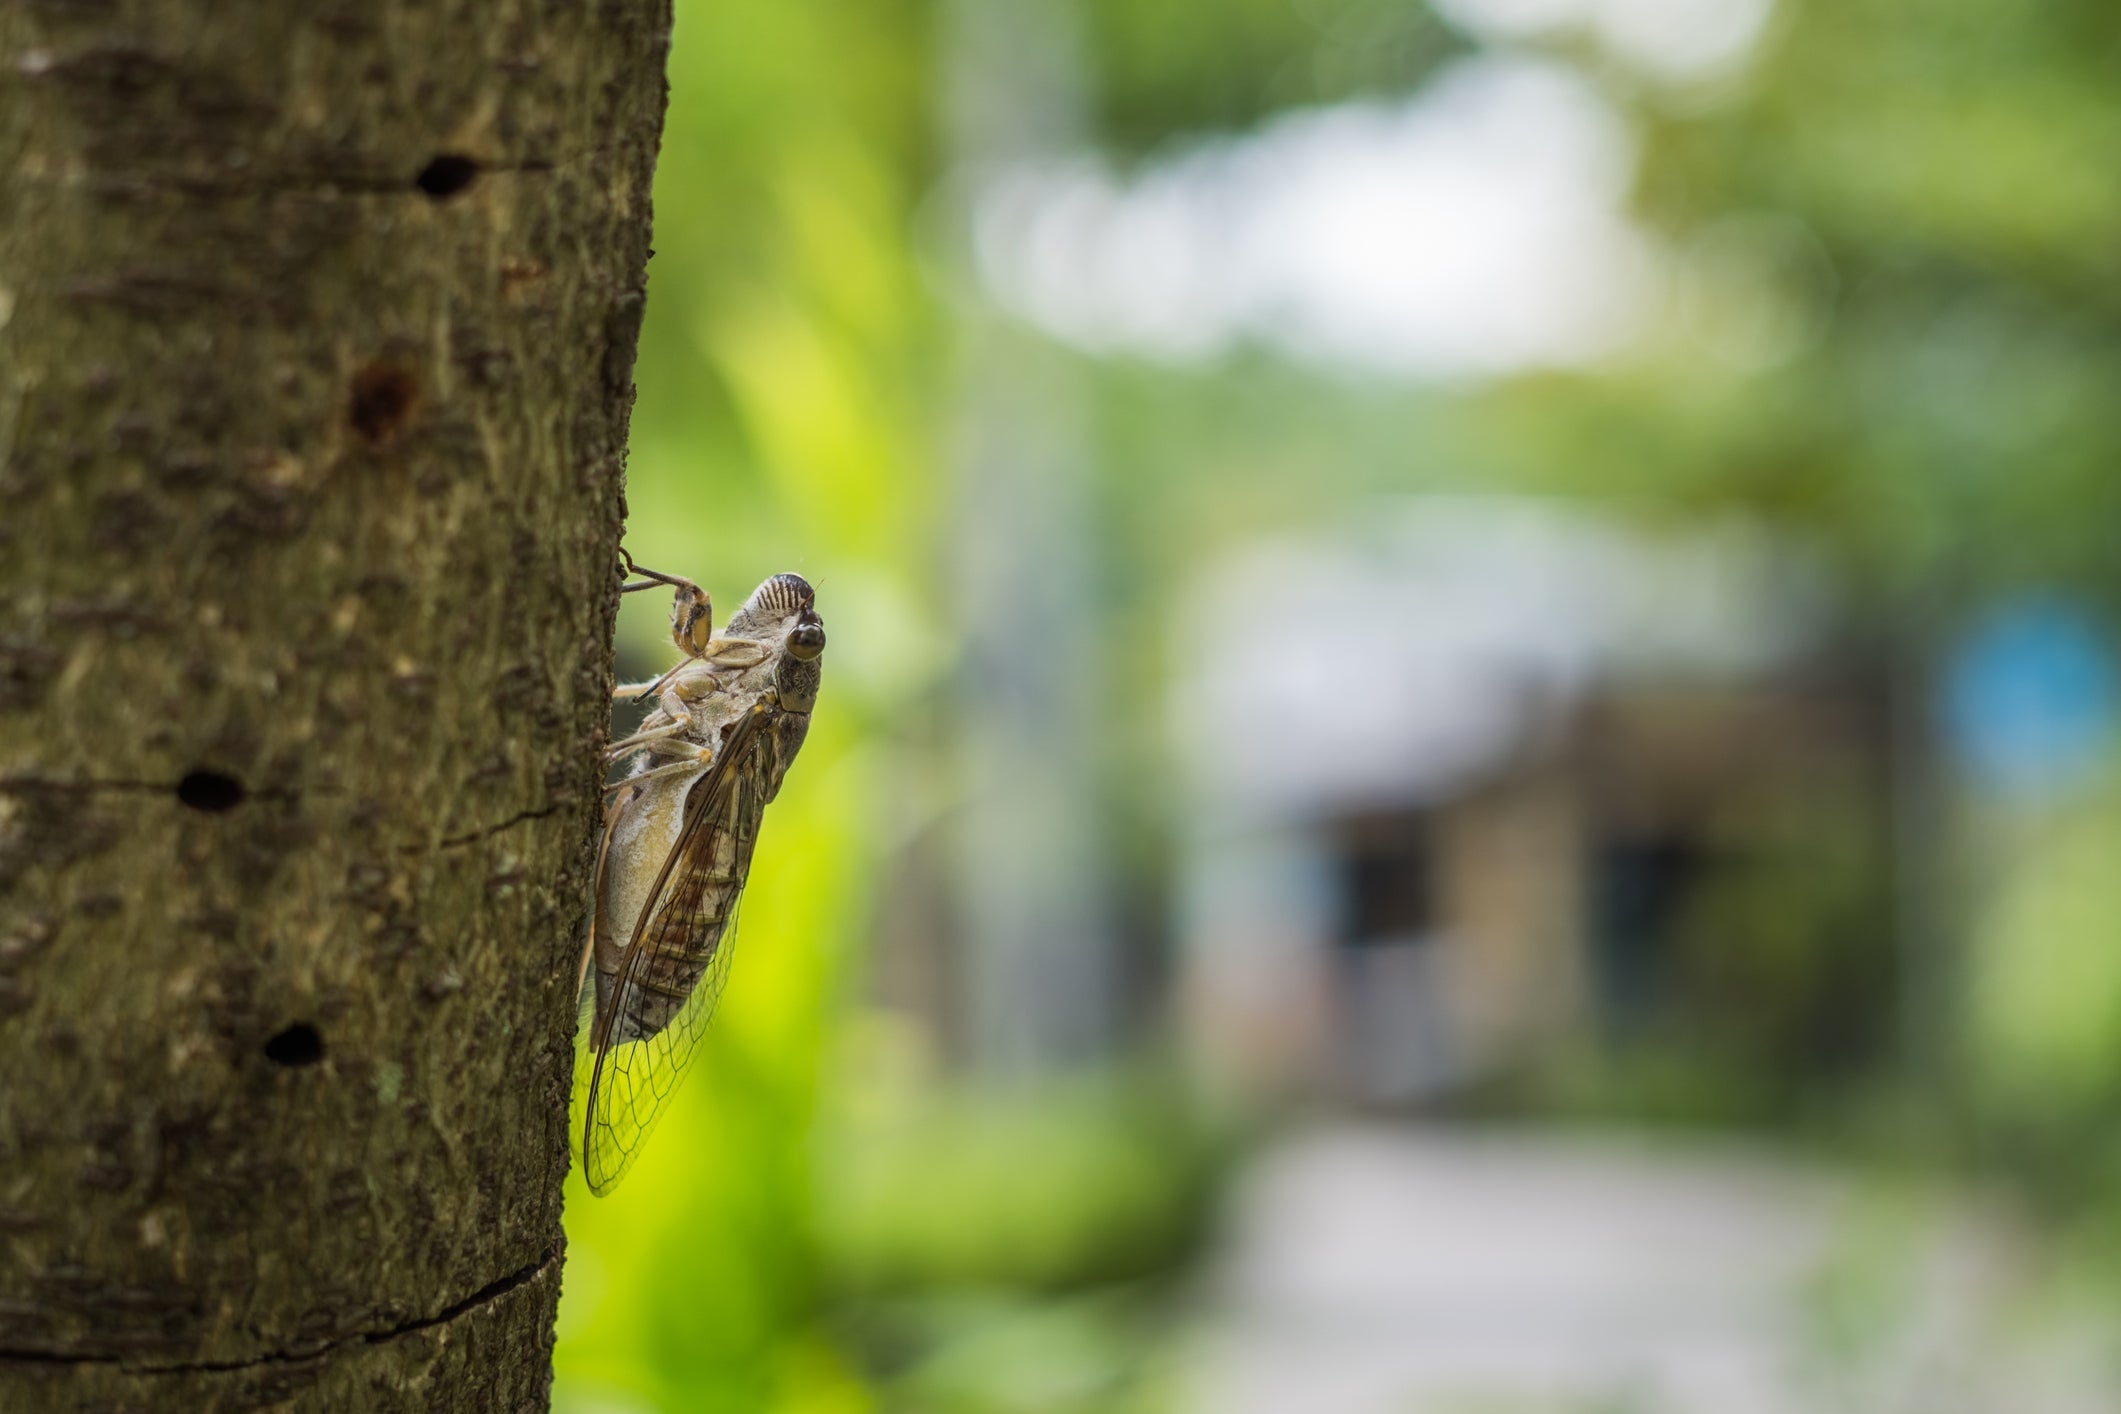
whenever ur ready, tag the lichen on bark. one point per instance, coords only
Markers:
(317, 327)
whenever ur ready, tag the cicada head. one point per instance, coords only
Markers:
(774, 608)
(783, 611)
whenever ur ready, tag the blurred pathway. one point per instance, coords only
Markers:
(1435, 1271)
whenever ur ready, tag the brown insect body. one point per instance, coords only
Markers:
(679, 835)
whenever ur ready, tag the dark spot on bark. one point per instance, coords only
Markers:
(349, 1190)
(384, 398)
(26, 669)
(436, 479)
(101, 903)
(186, 470)
(214, 922)
(104, 1175)
(125, 520)
(448, 174)
(117, 615)
(134, 431)
(298, 1045)
(483, 365)
(211, 791)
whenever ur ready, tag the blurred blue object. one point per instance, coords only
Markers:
(2029, 697)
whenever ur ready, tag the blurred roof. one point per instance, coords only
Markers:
(1398, 658)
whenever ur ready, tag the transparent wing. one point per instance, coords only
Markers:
(674, 967)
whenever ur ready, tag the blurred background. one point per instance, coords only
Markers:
(1468, 756)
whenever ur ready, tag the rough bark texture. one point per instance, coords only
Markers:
(317, 327)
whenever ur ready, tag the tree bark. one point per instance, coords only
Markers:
(317, 326)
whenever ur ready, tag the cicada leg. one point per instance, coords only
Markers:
(704, 757)
(674, 695)
(658, 688)
(639, 741)
(691, 611)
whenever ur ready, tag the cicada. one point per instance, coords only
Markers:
(679, 831)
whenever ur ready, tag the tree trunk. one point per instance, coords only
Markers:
(317, 327)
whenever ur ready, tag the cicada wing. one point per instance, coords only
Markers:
(632, 1080)
(663, 997)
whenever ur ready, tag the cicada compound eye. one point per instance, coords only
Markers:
(806, 641)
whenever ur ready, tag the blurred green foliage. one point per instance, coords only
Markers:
(1920, 204)
(1068, 1184)
(1165, 69)
(2045, 983)
(1944, 419)
(785, 420)
(1920, 210)
(781, 424)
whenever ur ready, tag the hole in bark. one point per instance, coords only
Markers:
(211, 791)
(300, 1044)
(383, 400)
(447, 175)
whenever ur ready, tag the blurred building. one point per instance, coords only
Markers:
(1478, 780)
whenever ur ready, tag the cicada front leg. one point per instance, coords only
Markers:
(691, 611)
(691, 629)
